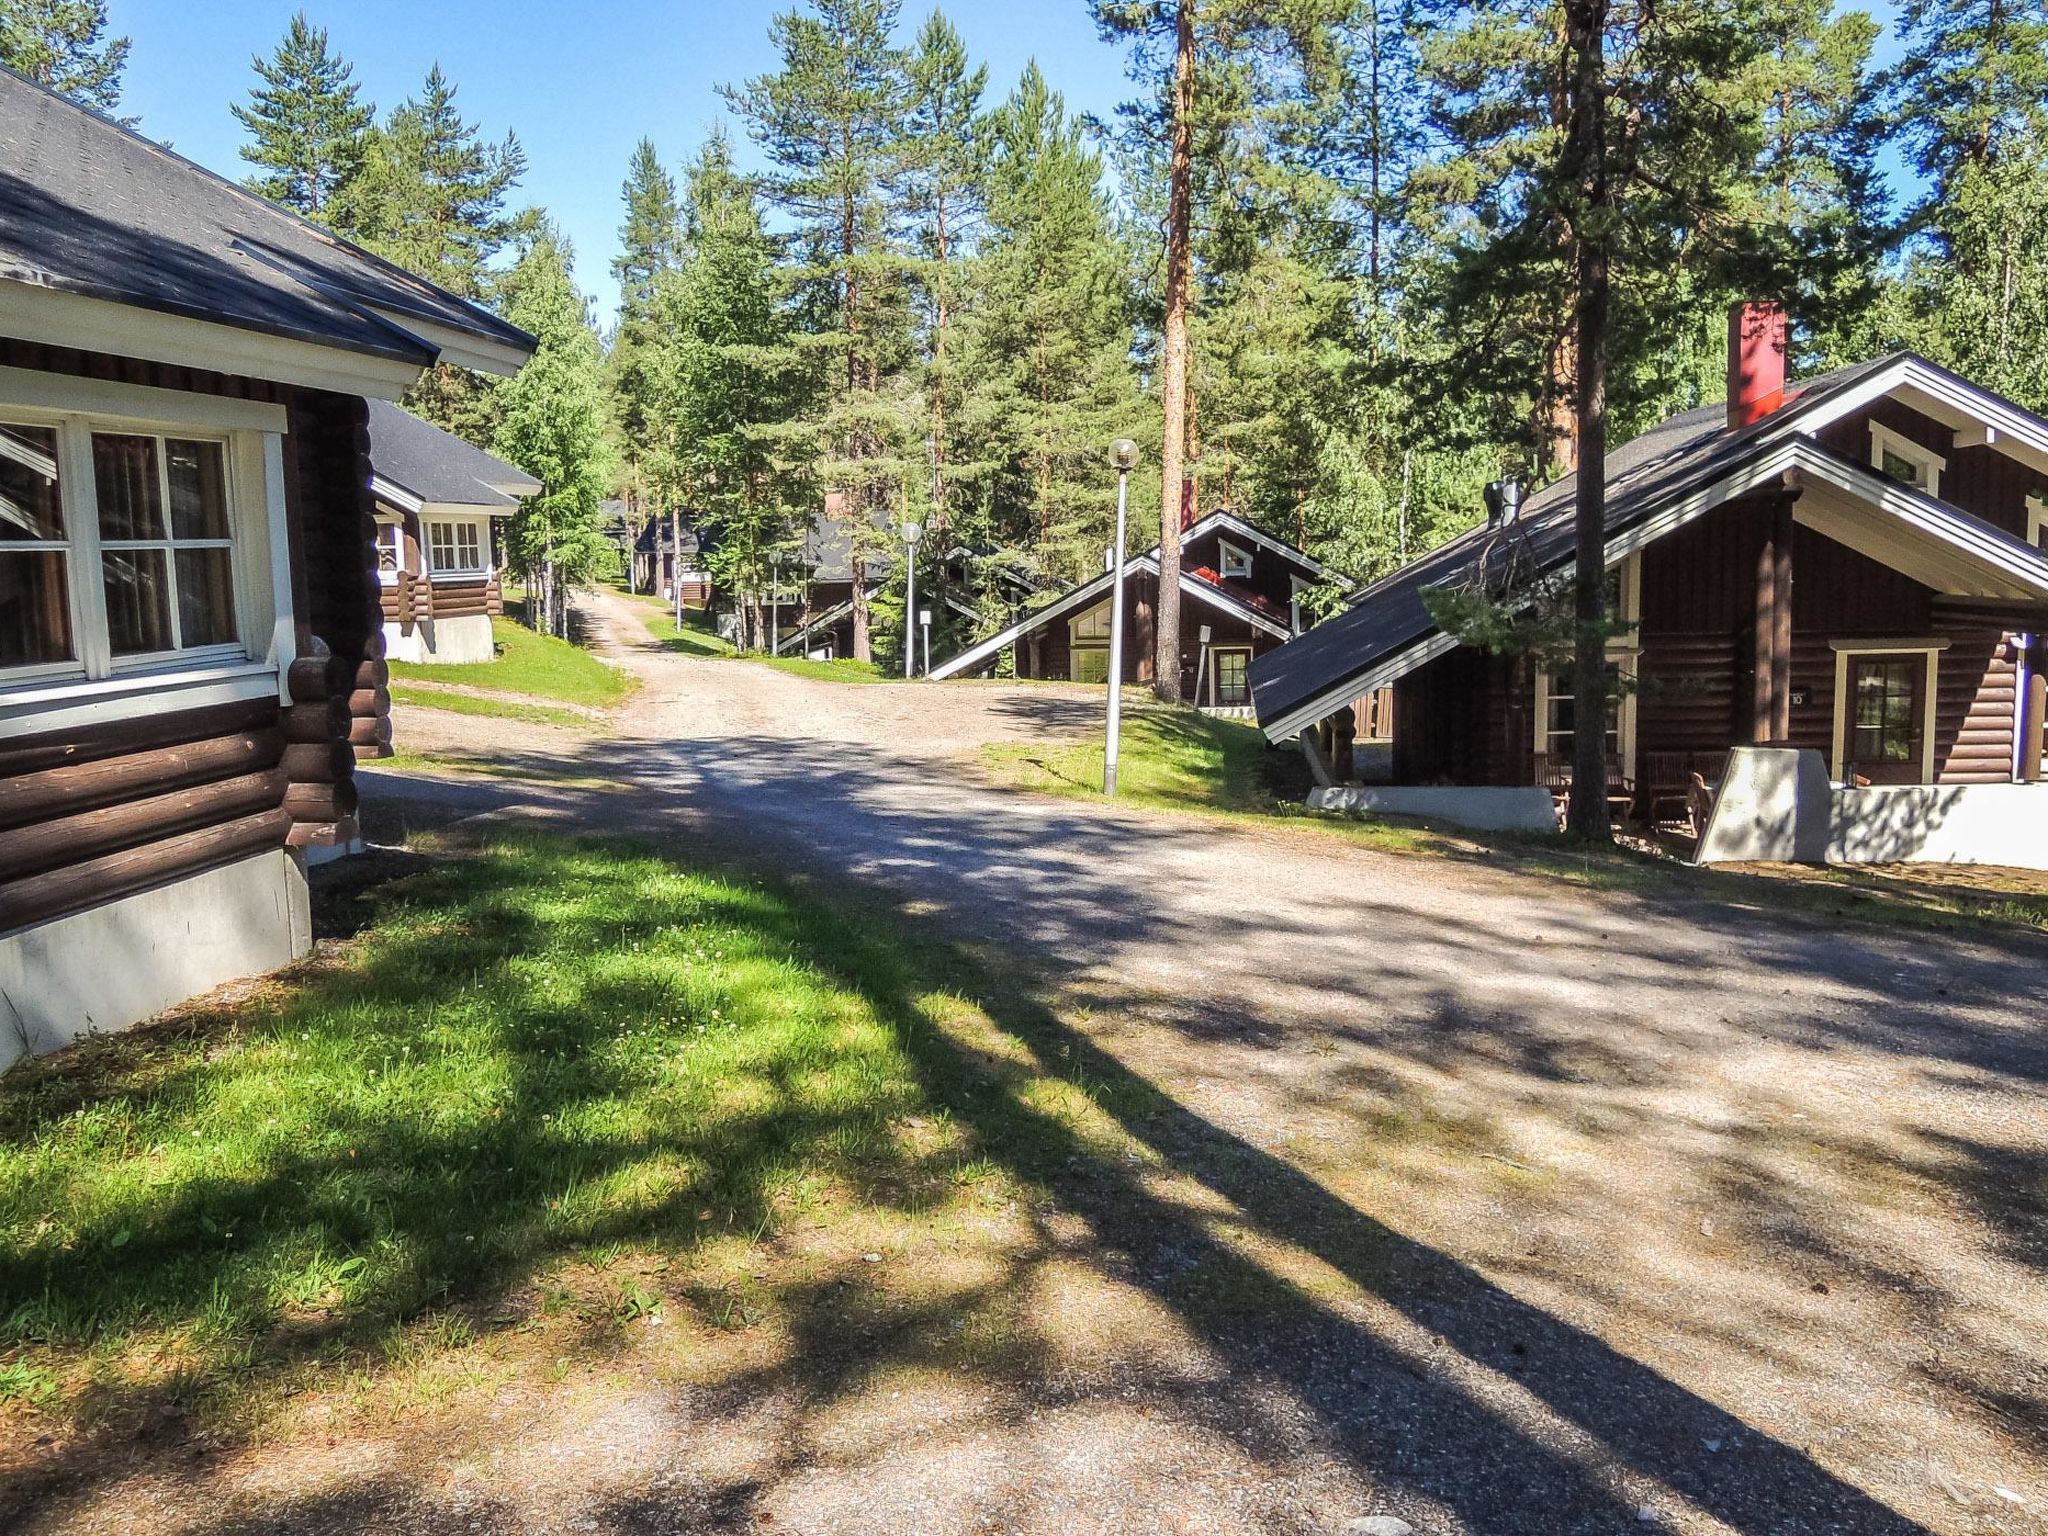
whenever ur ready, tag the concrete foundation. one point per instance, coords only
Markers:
(1523, 808)
(124, 962)
(463, 640)
(1778, 806)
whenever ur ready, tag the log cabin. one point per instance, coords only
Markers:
(191, 642)
(815, 616)
(439, 501)
(1243, 594)
(1847, 569)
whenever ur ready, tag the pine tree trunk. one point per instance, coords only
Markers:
(1173, 362)
(1587, 815)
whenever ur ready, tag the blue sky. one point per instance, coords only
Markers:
(579, 83)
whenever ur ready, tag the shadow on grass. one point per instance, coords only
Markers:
(545, 1046)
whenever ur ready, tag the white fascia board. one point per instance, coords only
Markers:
(1955, 402)
(457, 346)
(1284, 550)
(396, 495)
(1063, 604)
(30, 312)
(470, 511)
(1392, 670)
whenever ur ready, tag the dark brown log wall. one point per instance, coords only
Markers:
(1979, 480)
(92, 814)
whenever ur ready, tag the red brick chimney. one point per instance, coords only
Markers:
(1756, 362)
(1187, 504)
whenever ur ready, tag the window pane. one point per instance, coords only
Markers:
(199, 500)
(1090, 664)
(35, 615)
(138, 601)
(28, 484)
(124, 468)
(206, 597)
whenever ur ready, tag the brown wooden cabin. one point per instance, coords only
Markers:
(1852, 564)
(656, 557)
(439, 500)
(191, 644)
(1242, 595)
(814, 615)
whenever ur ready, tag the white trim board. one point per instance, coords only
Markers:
(1931, 650)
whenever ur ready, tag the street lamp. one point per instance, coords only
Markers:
(924, 623)
(1123, 453)
(912, 531)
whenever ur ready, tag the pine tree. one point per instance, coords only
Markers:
(730, 377)
(306, 125)
(1045, 345)
(551, 424)
(941, 189)
(649, 247)
(431, 192)
(831, 122)
(1970, 105)
(62, 44)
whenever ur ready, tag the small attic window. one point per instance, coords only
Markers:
(1235, 562)
(1900, 458)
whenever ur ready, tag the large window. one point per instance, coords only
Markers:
(455, 549)
(390, 552)
(116, 548)
(165, 552)
(1088, 646)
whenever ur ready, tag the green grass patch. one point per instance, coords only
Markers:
(694, 638)
(839, 670)
(537, 665)
(540, 1050)
(1183, 760)
(480, 704)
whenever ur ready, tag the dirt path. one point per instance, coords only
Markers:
(1606, 1216)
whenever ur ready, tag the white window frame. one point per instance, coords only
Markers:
(2037, 523)
(394, 525)
(1926, 646)
(93, 687)
(168, 545)
(1233, 563)
(1297, 586)
(1884, 440)
(481, 526)
(1624, 652)
(1081, 637)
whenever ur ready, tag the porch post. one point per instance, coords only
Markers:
(1771, 695)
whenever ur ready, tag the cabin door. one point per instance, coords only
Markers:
(1888, 718)
(1230, 676)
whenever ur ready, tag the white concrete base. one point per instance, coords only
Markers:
(1778, 806)
(121, 963)
(1940, 824)
(1772, 808)
(1522, 808)
(460, 641)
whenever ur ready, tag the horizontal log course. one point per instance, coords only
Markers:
(373, 674)
(321, 802)
(44, 845)
(375, 645)
(370, 751)
(74, 887)
(323, 834)
(313, 678)
(325, 720)
(34, 754)
(370, 730)
(77, 787)
(369, 702)
(317, 762)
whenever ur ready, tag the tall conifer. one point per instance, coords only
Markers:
(306, 127)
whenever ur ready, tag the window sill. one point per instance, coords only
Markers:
(454, 576)
(34, 707)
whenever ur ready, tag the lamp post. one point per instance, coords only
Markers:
(912, 531)
(1123, 453)
(924, 624)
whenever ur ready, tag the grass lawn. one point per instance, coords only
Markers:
(696, 638)
(556, 1091)
(536, 665)
(1182, 760)
(480, 704)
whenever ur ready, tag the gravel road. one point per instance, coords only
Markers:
(1628, 1217)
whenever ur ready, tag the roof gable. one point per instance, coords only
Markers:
(431, 465)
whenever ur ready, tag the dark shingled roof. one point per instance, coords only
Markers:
(91, 208)
(1673, 458)
(433, 465)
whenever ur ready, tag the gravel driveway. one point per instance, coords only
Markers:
(1600, 1216)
